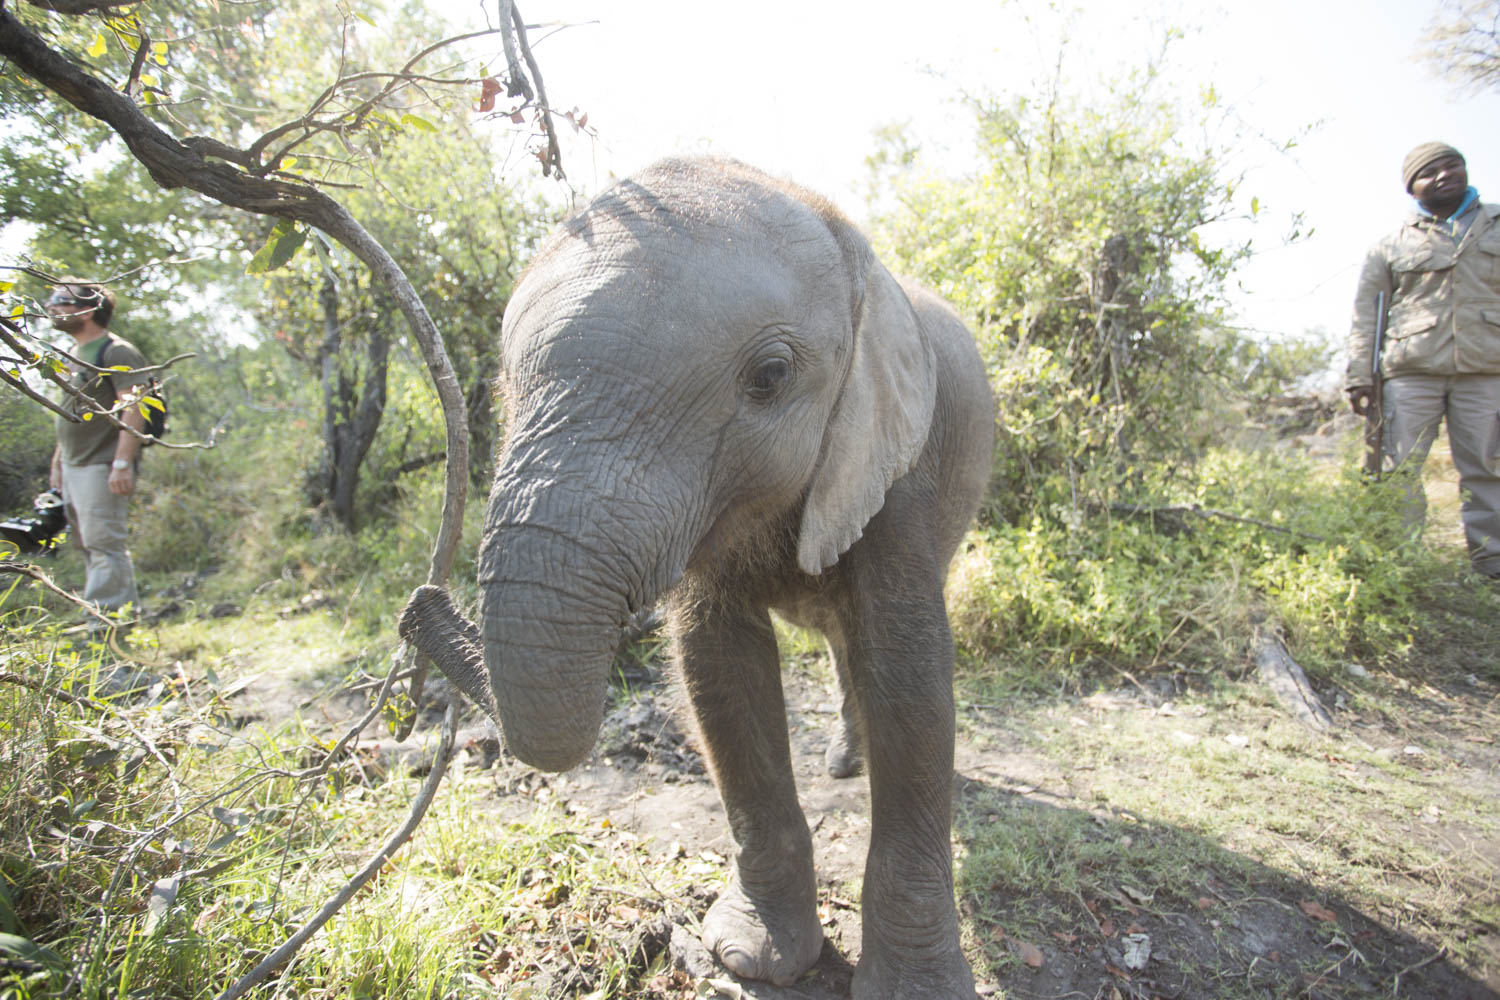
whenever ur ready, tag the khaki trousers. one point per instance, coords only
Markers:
(98, 518)
(1414, 406)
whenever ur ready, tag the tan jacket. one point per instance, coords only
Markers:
(1443, 301)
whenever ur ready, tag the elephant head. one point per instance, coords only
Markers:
(705, 370)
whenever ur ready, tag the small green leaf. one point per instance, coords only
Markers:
(6, 286)
(282, 245)
(96, 47)
(29, 950)
(150, 79)
(421, 124)
(366, 19)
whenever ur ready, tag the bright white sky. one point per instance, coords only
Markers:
(797, 86)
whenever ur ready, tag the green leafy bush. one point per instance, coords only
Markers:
(1177, 575)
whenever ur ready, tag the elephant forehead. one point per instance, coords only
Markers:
(671, 291)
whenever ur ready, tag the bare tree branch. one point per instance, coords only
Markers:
(1462, 43)
(79, 7)
(552, 158)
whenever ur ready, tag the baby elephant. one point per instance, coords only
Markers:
(718, 397)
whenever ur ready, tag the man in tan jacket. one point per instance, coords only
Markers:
(1440, 273)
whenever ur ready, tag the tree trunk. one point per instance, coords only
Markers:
(352, 408)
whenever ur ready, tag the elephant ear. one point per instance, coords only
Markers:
(879, 425)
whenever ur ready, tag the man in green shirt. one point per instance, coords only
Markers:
(95, 462)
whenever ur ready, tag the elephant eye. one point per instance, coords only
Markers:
(767, 377)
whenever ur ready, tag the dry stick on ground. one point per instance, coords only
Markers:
(1281, 673)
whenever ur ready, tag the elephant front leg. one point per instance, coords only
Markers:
(765, 925)
(903, 679)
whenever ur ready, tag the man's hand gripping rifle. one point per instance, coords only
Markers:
(1375, 406)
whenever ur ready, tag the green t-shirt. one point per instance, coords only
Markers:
(92, 442)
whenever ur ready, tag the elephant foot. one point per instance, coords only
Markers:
(773, 943)
(938, 977)
(842, 757)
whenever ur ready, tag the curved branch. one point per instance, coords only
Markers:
(372, 867)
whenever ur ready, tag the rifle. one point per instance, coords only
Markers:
(1375, 411)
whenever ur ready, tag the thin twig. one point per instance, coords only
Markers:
(6, 677)
(1435, 956)
(35, 572)
(372, 867)
(1205, 512)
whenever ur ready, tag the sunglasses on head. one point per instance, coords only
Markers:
(69, 297)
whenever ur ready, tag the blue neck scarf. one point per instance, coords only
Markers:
(1470, 197)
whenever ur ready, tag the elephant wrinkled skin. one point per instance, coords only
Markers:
(720, 399)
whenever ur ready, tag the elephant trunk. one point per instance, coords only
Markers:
(433, 625)
(551, 619)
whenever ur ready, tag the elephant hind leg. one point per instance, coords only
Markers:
(843, 757)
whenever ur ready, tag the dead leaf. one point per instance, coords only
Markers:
(1137, 951)
(1107, 927)
(206, 919)
(163, 895)
(1204, 902)
(1065, 938)
(1317, 912)
(1028, 953)
(489, 89)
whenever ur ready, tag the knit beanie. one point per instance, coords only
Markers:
(1421, 156)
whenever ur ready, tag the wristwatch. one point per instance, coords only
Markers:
(120, 464)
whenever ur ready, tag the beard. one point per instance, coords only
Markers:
(69, 323)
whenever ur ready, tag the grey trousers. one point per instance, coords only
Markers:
(1414, 406)
(98, 518)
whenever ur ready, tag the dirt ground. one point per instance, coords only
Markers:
(1257, 938)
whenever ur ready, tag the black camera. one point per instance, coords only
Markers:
(39, 533)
